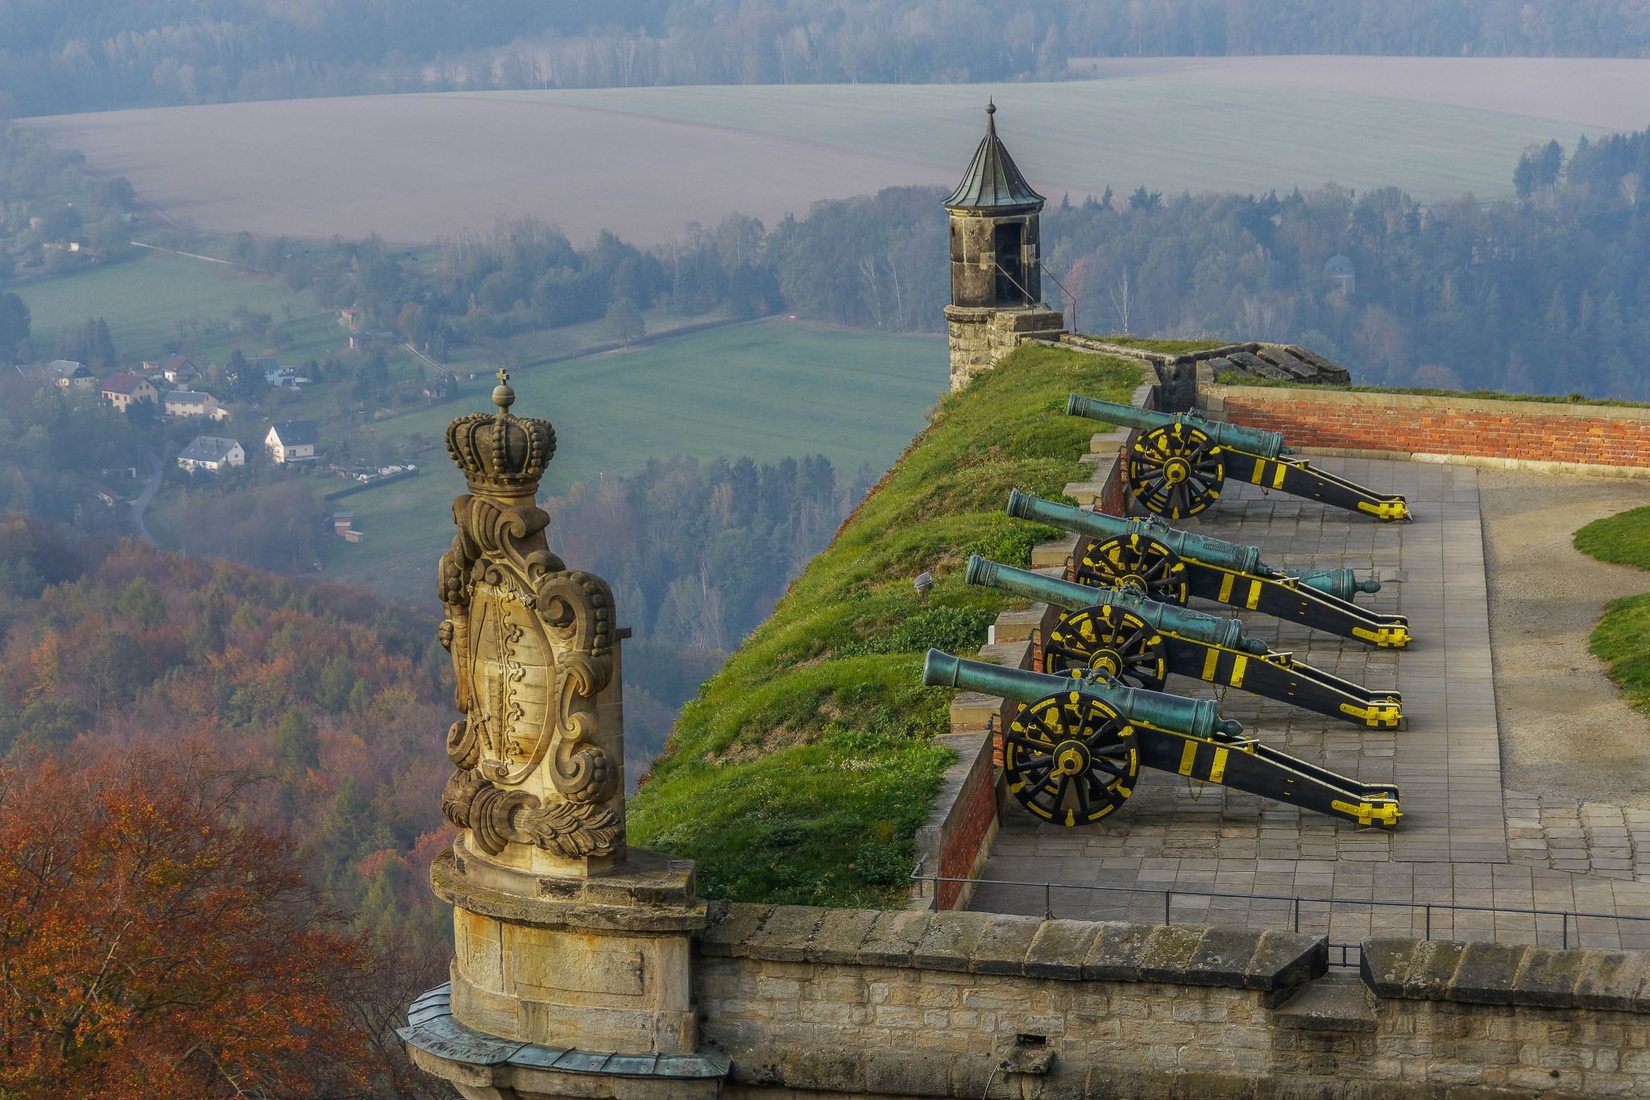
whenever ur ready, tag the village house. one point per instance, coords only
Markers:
(123, 388)
(178, 370)
(290, 441)
(71, 375)
(185, 403)
(211, 453)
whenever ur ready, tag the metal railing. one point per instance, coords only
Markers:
(1568, 921)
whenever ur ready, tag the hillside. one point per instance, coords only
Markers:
(803, 769)
(329, 695)
(415, 167)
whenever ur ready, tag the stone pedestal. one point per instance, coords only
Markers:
(572, 952)
(980, 336)
(565, 986)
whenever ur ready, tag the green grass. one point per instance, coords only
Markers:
(1622, 641)
(1623, 539)
(767, 389)
(803, 769)
(1163, 131)
(143, 300)
(1622, 637)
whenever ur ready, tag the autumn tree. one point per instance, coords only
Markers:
(152, 943)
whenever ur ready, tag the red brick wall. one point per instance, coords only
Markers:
(1593, 435)
(975, 815)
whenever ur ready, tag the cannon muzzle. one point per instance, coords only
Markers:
(1196, 717)
(1167, 618)
(1235, 437)
(1099, 525)
(1340, 583)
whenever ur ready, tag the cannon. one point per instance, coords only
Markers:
(1150, 557)
(1075, 747)
(1139, 641)
(1178, 463)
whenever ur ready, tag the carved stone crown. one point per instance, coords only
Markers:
(500, 453)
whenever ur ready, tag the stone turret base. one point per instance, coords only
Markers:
(566, 986)
(979, 337)
(485, 1067)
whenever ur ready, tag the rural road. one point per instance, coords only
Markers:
(141, 504)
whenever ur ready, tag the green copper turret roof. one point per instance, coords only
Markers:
(993, 182)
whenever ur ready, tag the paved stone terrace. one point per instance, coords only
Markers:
(1462, 840)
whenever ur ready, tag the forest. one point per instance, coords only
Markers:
(300, 721)
(73, 55)
(1545, 293)
(149, 703)
(697, 554)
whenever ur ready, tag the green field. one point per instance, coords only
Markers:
(144, 299)
(766, 389)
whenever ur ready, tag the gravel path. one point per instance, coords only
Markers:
(1565, 732)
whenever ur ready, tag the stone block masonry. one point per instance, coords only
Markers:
(1538, 434)
(979, 337)
(832, 1002)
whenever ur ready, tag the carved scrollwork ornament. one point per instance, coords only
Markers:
(532, 645)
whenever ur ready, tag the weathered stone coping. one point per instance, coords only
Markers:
(1215, 392)
(648, 893)
(1271, 962)
(1508, 974)
(433, 1030)
(1158, 358)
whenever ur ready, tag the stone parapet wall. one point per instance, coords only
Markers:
(1597, 439)
(822, 1002)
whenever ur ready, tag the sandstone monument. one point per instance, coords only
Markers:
(571, 950)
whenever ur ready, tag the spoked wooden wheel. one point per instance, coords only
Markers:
(1136, 562)
(1070, 758)
(1107, 639)
(1176, 470)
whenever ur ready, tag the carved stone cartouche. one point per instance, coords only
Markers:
(532, 644)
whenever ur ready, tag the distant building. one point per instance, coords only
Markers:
(184, 403)
(211, 453)
(178, 370)
(70, 375)
(343, 525)
(123, 388)
(1339, 268)
(290, 441)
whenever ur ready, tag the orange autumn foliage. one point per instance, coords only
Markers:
(153, 943)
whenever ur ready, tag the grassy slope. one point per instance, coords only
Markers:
(803, 769)
(766, 389)
(1622, 638)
